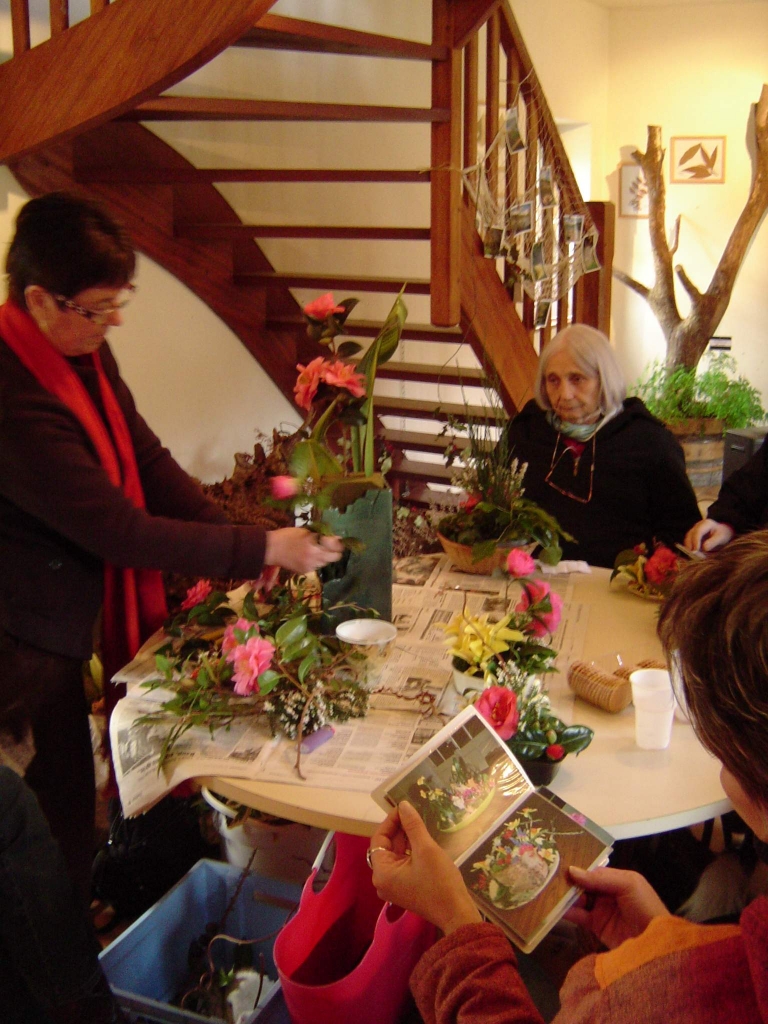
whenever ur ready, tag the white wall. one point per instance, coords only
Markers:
(193, 380)
(693, 70)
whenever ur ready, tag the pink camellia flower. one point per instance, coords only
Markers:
(308, 382)
(196, 594)
(284, 486)
(544, 621)
(230, 641)
(320, 308)
(250, 660)
(520, 563)
(498, 706)
(343, 375)
(555, 752)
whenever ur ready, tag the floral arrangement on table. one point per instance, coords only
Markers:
(510, 657)
(335, 392)
(452, 806)
(522, 860)
(223, 662)
(650, 576)
(496, 513)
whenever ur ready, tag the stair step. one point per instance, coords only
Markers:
(301, 231)
(432, 374)
(387, 405)
(277, 32)
(371, 328)
(334, 283)
(410, 469)
(210, 108)
(413, 440)
(418, 493)
(148, 175)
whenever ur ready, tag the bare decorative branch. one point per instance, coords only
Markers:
(687, 338)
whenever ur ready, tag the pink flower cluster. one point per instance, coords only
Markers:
(661, 566)
(250, 654)
(322, 307)
(545, 606)
(321, 371)
(197, 594)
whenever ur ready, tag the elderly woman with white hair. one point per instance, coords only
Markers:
(608, 470)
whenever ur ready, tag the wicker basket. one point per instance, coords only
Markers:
(461, 556)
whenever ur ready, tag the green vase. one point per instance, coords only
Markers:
(363, 578)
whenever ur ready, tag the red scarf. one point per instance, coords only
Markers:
(134, 599)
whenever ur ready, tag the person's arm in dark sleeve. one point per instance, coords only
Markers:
(674, 508)
(48, 469)
(743, 498)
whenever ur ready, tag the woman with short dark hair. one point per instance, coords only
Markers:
(611, 474)
(92, 507)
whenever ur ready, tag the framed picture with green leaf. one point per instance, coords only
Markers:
(697, 159)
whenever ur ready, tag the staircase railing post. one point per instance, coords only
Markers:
(446, 173)
(593, 291)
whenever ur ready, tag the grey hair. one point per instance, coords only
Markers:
(592, 352)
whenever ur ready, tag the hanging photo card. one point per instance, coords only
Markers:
(538, 266)
(512, 844)
(573, 228)
(520, 219)
(589, 258)
(546, 191)
(543, 307)
(513, 134)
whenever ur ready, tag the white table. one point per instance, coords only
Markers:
(630, 792)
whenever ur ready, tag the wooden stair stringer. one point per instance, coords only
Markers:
(207, 267)
(58, 88)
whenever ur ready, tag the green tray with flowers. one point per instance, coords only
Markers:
(522, 860)
(511, 658)
(496, 513)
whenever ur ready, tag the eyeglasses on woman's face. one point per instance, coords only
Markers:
(104, 313)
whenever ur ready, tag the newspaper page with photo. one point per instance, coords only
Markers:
(513, 844)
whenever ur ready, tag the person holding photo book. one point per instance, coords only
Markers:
(653, 966)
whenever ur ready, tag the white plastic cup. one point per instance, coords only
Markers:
(654, 707)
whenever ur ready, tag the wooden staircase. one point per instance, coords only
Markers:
(177, 215)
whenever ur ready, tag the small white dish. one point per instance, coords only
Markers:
(366, 632)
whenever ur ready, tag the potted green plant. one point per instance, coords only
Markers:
(680, 394)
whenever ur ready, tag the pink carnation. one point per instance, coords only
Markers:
(322, 307)
(535, 592)
(284, 486)
(250, 660)
(498, 706)
(308, 382)
(519, 563)
(196, 594)
(661, 566)
(343, 375)
(230, 641)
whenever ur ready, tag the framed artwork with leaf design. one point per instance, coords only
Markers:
(697, 159)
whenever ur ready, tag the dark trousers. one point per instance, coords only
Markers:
(49, 969)
(45, 691)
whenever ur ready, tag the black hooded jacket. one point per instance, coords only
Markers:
(640, 491)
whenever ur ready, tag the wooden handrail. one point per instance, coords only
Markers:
(139, 39)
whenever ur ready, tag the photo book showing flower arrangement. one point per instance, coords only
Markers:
(512, 843)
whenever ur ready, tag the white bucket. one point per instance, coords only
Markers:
(284, 849)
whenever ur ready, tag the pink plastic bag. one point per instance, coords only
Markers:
(347, 956)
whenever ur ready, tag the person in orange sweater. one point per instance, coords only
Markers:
(654, 967)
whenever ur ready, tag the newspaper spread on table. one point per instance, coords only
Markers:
(427, 593)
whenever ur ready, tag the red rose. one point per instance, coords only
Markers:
(661, 566)
(472, 500)
(555, 752)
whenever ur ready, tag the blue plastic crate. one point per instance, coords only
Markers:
(147, 964)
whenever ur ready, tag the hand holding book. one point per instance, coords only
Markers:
(615, 905)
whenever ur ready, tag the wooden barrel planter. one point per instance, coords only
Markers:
(703, 445)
